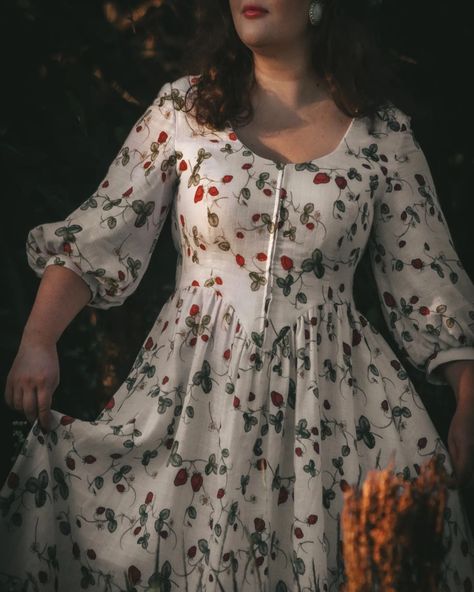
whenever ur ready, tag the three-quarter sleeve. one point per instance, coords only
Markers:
(426, 295)
(108, 240)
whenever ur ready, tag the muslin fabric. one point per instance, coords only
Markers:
(261, 392)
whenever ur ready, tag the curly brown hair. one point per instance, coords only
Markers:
(362, 76)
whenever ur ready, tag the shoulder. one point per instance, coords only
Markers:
(173, 89)
(183, 83)
(172, 96)
(389, 120)
(390, 129)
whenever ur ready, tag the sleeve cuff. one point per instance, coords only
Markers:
(433, 373)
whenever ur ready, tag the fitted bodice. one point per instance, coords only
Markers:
(273, 240)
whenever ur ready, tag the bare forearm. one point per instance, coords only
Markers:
(61, 295)
(460, 376)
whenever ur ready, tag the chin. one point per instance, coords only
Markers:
(255, 40)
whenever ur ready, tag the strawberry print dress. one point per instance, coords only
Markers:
(261, 392)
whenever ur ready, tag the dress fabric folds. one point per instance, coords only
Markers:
(260, 392)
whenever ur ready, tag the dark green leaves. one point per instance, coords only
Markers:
(314, 264)
(202, 377)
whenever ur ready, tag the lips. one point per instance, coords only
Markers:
(253, 8)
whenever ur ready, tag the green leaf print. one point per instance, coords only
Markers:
(363, 432)
(202, 377)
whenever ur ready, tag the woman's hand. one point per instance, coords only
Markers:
(32, 380)
(460, 376)
(461, 444)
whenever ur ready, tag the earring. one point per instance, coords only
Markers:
(315, 12)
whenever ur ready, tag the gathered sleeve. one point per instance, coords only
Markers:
(108, 239)
(426, 295)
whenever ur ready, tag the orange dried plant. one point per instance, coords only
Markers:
(393, 529)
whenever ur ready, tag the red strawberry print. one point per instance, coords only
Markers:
(134, 575)
(344, 485)
(389, 299)
(277, 398)
(181, 477)
(196, 481)
(286, 262)
(422, 442)
(199, 194)
(321, 178)
(417, 263)
(298, 533)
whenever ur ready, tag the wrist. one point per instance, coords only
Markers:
(35, 336)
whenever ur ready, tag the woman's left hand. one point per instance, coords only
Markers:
(460, 376)
(461, 444)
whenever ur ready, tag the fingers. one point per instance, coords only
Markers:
(18, 398)
(33, 401)
(44, 404)
(30, 407)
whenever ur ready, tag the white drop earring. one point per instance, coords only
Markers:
(315, 12)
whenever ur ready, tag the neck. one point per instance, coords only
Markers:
(288, 77)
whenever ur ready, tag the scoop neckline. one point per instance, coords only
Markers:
(282, 164)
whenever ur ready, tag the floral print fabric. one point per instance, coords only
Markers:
(260, 392)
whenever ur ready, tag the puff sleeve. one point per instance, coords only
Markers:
(108, 239)
(426, 295)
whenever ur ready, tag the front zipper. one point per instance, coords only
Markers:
(271, 248)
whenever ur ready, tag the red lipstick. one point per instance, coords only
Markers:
(253, 11)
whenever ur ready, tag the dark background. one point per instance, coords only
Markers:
(76, 77)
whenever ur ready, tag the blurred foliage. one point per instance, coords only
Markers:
(80, 74)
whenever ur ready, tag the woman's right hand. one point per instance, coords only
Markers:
(32, 380)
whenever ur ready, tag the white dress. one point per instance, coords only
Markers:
(260, 392)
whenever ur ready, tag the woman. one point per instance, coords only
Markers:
(260, 392)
